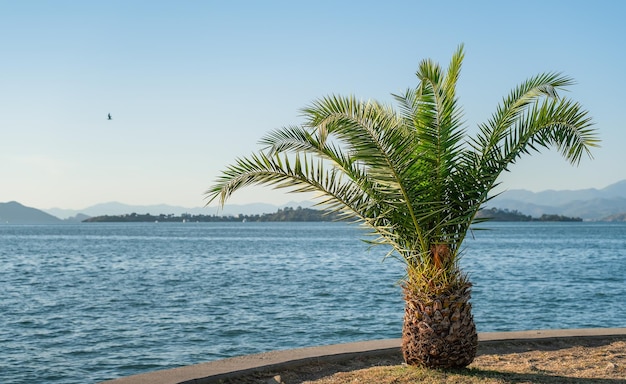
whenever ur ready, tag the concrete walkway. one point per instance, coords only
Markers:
(212, 372)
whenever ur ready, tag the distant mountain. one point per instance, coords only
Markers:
(618, 217)
(551, 197)
(590, 204)
(79, 218)
(16, 213)
(115, 208)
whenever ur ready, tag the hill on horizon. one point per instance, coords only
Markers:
(608, 203)
(590, 204)
(16, 213)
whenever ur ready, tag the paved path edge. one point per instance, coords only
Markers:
(213, 371)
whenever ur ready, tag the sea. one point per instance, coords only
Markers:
(84, 303)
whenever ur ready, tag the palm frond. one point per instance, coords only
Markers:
(411, 174)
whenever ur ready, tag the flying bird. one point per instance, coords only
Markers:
(110, 118)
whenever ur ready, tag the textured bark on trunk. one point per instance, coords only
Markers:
(439, 331)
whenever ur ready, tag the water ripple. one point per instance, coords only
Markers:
(90, 302)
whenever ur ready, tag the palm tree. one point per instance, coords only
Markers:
(416, 180)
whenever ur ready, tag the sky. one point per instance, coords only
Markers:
(192, 85)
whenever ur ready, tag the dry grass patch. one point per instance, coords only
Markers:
(604, 364)
(545, 364)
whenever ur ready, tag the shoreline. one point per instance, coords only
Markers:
(488, 342)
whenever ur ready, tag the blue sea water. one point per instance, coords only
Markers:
(85, 303)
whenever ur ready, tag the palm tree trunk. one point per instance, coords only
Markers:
(439, 331)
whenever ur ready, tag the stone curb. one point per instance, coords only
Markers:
(212, 372)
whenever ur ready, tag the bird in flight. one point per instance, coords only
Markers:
(110, 118)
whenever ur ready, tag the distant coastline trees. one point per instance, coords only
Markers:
(495, 214)
(300, 214)
(286, 214)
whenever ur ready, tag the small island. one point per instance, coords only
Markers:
(495, 214)
(286, 214)
(300, 214)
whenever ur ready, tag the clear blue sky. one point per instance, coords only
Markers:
(192, 85)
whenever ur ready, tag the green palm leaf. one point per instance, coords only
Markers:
(411, 174)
